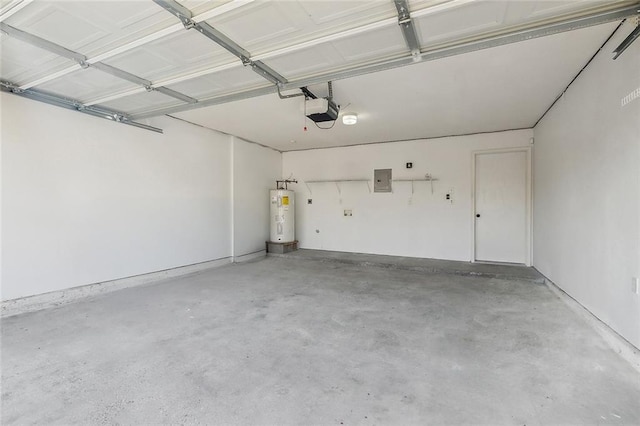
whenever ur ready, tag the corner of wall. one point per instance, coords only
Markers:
(587, 186)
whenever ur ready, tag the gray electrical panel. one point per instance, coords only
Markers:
(382, 180)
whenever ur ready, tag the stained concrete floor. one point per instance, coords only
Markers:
(507, 271)
(301, 341)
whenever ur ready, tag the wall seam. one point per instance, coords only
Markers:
(411, 139)
(578, 75)
(222, 133)
(232, 202)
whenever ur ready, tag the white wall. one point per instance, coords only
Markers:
(85, 200)
(398, 223)
(587, 190)
(255, 170)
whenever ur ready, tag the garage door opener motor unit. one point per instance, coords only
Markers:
(315, 108)
(321, 110)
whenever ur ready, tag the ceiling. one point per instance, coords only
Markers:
(506, 87)
(475, 65)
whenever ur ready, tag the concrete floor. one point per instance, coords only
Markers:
(302, 341)
(431, 266)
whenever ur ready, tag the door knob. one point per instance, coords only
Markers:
(477, 214)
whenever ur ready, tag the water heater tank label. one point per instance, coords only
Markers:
(285, 200)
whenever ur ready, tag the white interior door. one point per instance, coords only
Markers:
(501, 207)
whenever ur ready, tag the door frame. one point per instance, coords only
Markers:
(528, 207)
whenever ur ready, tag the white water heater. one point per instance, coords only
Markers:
(282, 216)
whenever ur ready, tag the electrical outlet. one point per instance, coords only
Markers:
(348, 213)
(449, 196)
(635, 285)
